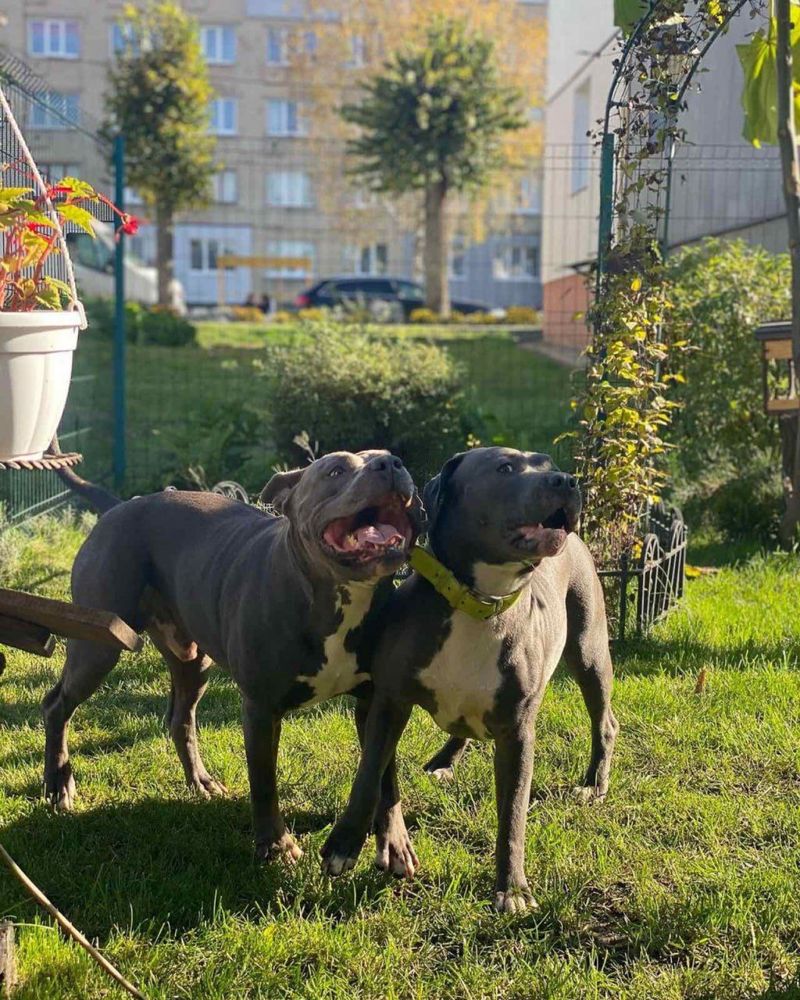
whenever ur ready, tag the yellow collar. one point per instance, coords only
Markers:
(458, 595)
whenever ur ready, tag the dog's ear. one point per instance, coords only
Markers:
(433, 496)
(276, 492)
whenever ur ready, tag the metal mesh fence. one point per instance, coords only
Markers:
(62, 143)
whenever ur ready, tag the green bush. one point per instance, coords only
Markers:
(154, 325)
(740, 505)
(346, 390)
(165, 328)
(721, 291)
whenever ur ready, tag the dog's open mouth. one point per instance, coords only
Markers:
(382, 529)
(548, 536)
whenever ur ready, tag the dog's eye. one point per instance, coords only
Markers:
(337, 471)
(505, 468)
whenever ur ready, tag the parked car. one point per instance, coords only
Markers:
(387, 298)
(93, 261)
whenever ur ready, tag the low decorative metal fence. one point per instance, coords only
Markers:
(653, 574)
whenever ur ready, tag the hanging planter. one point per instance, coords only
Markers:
(40, 313)
(35, 370)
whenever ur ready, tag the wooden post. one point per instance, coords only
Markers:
(790, 167)
(8, 962)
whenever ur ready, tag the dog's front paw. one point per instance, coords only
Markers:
(588, 794)
(516, 899)
(59, 788)
(394, 851)
(283, 848)
(340, 851)
(206, 786)
(443, 775)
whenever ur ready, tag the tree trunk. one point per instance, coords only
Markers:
(164, 261)
(790, 166)
(437, 289)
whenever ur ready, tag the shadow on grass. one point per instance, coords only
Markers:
(160, 863)
(647, 657)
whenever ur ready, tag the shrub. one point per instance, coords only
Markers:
(282, 316)
(314, 314)
(424, 315)
(164, 327)
(247, 314)
(155, 325)
(526, 315)
(349, 391)
(481, 319)
(720, 293)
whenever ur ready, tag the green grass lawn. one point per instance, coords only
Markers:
(684, 883)
(181, 401)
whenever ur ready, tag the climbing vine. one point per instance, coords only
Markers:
(623, 406)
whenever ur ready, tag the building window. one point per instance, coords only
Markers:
(132, 197)
(284, 118)
(225, 187)
(291, 259)
(458, 259)
(52, 172)
(55, 111)
(358, 52)
(54, 37)
(519, 263)
(372, 259)
(580, 141)
(224, 116)
(530, 195)
(219, 43)
(289, 188)
(124, 39)
(277, 47)
(203, 254)
(310, 43)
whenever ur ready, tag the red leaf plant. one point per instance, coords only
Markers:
(29, 236)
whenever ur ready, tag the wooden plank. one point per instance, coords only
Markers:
(24, 635)
(783, 405)
(777, 350)
(8, 960)
(242, 260)
(69, 620)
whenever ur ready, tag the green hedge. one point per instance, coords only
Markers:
(347, 390)
(143, 325)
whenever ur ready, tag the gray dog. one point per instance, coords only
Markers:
(280, 601)
(475, 635)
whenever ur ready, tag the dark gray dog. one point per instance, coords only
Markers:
(475, 635)
(280, 601)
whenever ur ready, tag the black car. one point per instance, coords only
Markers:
(391, 298)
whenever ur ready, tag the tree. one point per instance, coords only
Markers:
(433, 121)
(158, 99)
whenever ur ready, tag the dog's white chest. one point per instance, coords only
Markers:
(464, 676)
(339, 672)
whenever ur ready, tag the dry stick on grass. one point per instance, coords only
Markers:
(66, 926)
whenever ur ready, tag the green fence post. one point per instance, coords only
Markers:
(120, 345)
(606, 201)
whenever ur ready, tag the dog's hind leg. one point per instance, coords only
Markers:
(588, 659)
(86, 666)
(189, 682)
(442, 765)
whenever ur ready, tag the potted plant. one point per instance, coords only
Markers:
(40, 315)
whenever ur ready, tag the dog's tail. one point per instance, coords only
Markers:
(98, 498)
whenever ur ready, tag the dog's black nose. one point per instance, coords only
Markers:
(561, 481)
(378, 464)
(397, 463)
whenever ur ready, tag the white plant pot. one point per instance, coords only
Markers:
(35, 368)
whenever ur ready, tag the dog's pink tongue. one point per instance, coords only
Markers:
(378, 534)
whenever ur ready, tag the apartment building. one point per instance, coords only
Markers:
(721, 185)
(281, 194)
